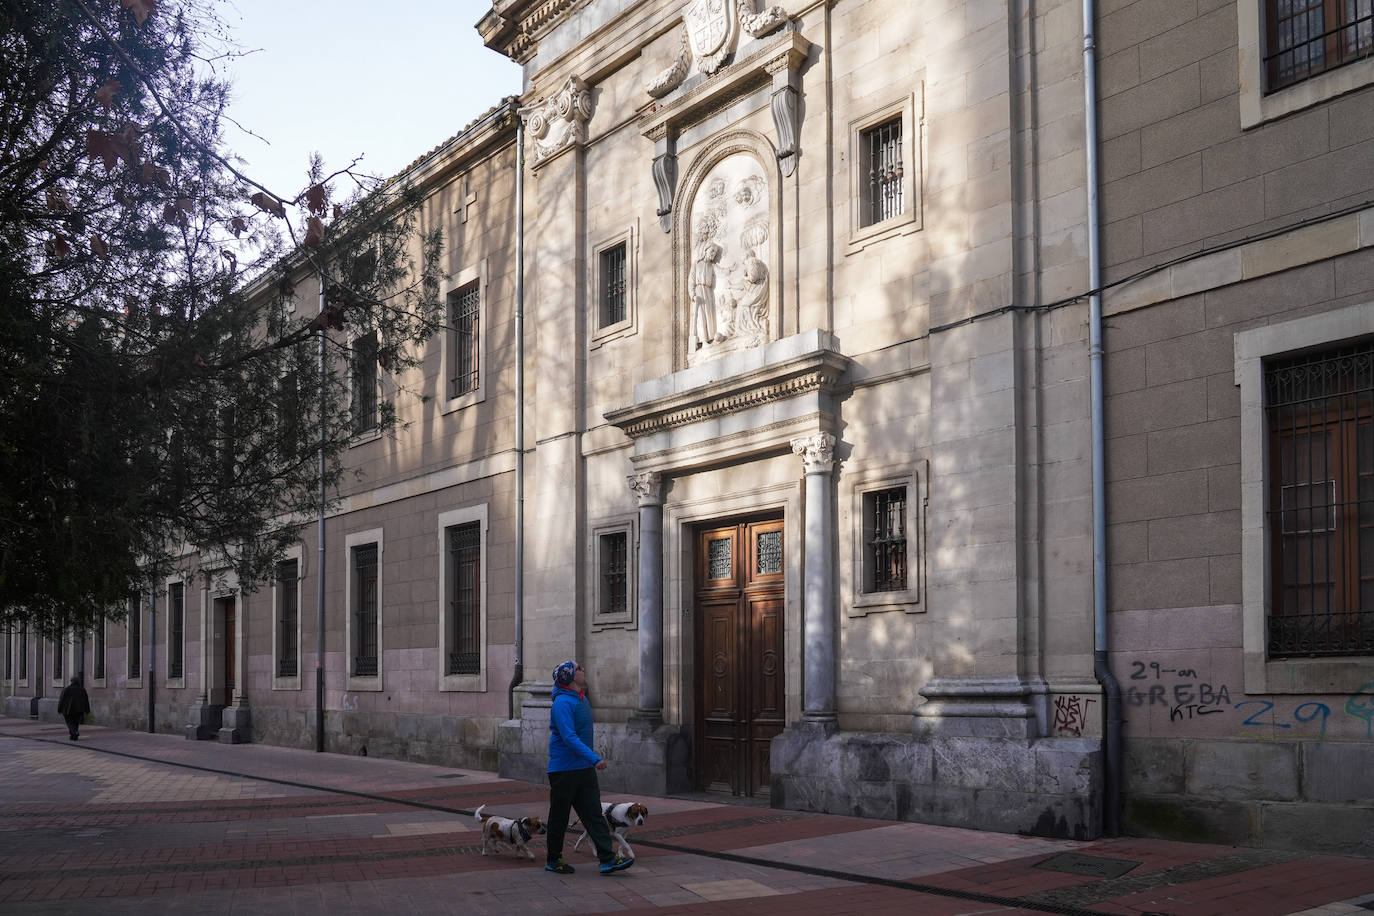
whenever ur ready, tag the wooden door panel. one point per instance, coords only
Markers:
(718, 654)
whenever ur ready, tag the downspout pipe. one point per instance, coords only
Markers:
(319, 572)
(518, 674)
(150, 673)
(1111, 749)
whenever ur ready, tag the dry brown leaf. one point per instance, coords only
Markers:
(105, 95)
(314, 232)
(238, 226)
(142, 9)
(268, 204)
(98, 247)
(316, 199)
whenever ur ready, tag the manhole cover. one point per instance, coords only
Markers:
(1074, 863)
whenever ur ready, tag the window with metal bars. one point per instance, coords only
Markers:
(1307, 37)
(9, 653)
(615, 580)
(98, 651)
(464, 321)
(881, 147)
(363, 375)
(176, 627)
(465, 599)
(288, 617)
(365, 605)
(613, 285)
(1320, 419)
(134, 627)
(885, 540)
(57, 659)
(24, 651)
(290, 434)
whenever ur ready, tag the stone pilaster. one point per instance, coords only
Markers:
(818, 597)
(648, 490)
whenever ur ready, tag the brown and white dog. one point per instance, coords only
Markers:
(508, 831)
(620, 818)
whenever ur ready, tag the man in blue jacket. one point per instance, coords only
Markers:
(572, 773)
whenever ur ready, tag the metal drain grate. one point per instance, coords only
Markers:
(1074, 863)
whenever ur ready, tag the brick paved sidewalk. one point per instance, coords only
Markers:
(127, 822)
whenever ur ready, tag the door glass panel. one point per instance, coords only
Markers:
(718, 559)
(769, 552)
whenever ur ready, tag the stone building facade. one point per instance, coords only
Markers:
(771, 395)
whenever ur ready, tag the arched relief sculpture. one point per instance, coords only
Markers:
(728, 277)
(559, 121)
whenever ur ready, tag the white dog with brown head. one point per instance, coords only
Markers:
(620, 818)
(513, 832)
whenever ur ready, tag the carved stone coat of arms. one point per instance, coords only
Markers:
(712, 27)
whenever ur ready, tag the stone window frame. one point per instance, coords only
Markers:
(132, 650)
(1252, 348)
(296, 553)
(615, 524)
(370, 537)
(8, 664)
(24, 668)
(1257, 107)
(910, 108)
(169, 681)
(469, 683)
(480, 274)
(861, 483)
(627, 327)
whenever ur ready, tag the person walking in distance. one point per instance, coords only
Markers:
(72, 705)
(572, 773)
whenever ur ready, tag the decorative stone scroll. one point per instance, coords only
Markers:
(728, 281)
(559, 121)
(710, 31)
(817, 452)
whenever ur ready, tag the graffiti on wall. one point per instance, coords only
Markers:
(1071, 714)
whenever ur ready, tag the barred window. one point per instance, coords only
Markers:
(366, 602)
(1320, 417)
(1307, 37)
(134, 650)
(288, 618)
(176, 626)
(23, 651)
(613, 285)
(613, 556)
(881, 147)
(98, 650)
(57, 654)
(363, 374)
(9, 653)
(885, 540)
(465, 339)
(464, 599)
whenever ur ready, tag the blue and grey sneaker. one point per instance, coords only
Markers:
(619, 863)
(559, 867)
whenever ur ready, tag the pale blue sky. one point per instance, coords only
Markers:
(387, 80)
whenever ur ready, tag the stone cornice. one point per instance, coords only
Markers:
(816, 371)
(513, 27)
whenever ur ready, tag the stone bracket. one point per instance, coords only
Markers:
(665, 180)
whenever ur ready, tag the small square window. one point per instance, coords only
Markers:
(884, 514)
(881, 147)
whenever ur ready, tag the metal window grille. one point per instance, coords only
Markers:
(364, 377)
(883, 148)
(176, 623)
(9, 654)
(365, 611)
(289, 432)
(1307, 37)
(465, 599)
(134, 625)
(98, 651)
(57, 659)
(614, 573)
(885, 545)
(24, 651)
(613, 285)
(464, 318)
(288, 612)
(768, 553)
(1320, 420)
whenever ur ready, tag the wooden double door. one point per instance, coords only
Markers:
(740, 684)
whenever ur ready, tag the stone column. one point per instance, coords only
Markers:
(648, 490)
(818, 596)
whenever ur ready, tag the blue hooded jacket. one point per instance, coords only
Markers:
(570, 732)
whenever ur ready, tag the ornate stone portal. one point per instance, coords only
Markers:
(710, 32)
(728, 281)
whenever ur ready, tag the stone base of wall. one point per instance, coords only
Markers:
(1300, 795)
(19, 707)
(1046, 786)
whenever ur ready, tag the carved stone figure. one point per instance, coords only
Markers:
(559, 121)
(728, 285)
(710, 31)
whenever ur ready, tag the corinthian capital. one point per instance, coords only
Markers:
(647, 488)
(817, 452)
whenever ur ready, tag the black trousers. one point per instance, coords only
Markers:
(577, 790)
(73, 724)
